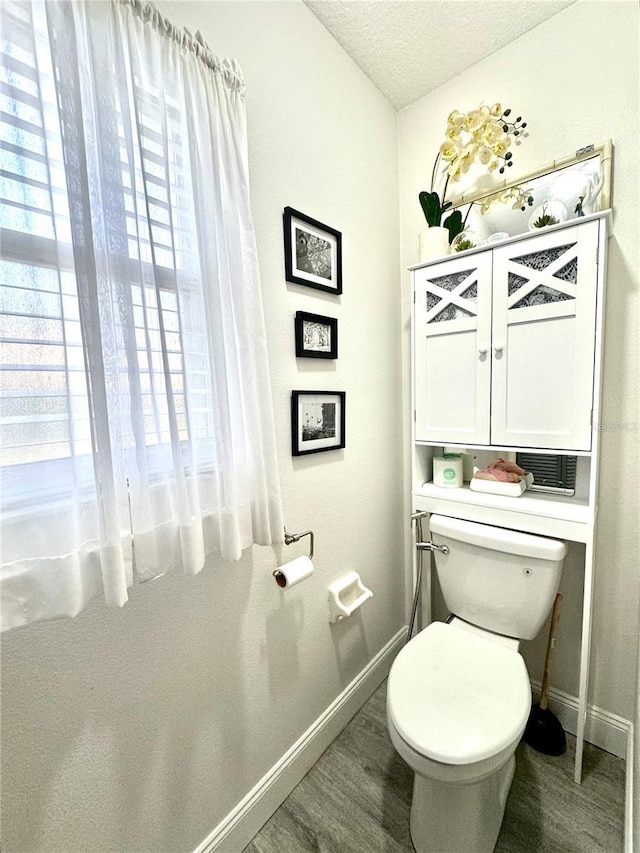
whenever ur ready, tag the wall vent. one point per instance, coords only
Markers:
(551, 473)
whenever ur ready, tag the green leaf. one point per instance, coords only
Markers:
(453, 224)
(431, 207)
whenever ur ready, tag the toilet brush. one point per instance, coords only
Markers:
(544, 732)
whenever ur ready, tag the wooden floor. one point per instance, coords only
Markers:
(356, 799)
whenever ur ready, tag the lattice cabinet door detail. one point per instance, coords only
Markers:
(452, 350)
(543, 340)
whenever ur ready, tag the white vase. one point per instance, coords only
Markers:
(433, 243)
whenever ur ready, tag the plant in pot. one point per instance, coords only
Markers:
(482, 136)
(550, 212)
(545, 219)
(465, 240)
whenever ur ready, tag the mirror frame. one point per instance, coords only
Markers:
(604, 150)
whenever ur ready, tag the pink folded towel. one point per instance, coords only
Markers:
(501, 472)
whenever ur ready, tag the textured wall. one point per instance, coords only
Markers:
(575, 80)
(140, 729)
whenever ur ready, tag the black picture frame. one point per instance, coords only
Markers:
(312, 252)
(318, 420)
(316, 336)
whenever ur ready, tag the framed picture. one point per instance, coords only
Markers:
(316, 336)
(312, 252)
(317, 421)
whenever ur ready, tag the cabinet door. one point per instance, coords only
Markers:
(452, 350)
(544, 306)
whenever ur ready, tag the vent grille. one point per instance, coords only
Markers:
(551, 473)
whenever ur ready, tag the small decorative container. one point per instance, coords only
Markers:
(433, 243)
(492, 487)
(549, 213)
(465, 240)
(496, 237)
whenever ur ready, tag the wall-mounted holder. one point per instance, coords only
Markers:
(296, 570)
(290, 538)
(346, 595)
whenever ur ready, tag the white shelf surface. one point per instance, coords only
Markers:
(536, 512)
(516, 238)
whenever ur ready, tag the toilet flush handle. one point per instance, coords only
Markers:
(431, 546)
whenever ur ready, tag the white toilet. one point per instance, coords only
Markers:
(458, 694)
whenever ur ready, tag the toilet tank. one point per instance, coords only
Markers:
(501, 580)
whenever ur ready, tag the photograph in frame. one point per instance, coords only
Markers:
(317, 421)
(316, 336)
(312, 252)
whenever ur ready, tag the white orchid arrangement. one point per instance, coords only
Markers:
(484, 135)
(518, 197)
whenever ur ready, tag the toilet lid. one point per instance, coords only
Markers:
(456, 697)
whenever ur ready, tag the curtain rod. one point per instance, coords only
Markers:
(227, 68)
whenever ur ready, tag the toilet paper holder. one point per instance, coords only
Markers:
(346, 595)
(290, 538)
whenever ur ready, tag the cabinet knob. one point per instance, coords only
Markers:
(483, 350)
(498, 349)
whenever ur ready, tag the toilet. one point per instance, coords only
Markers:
(458, 694)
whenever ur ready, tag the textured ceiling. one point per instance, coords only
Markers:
(410, 47)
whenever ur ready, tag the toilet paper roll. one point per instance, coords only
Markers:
(447, 471)
(293, 572)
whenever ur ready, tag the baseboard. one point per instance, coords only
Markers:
(238, 828)
(603, 729)
(630, 803)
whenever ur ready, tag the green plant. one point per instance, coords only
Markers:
(433, 208)
(483, 135)
(545, 219)
(462, 245)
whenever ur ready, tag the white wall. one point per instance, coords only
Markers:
(575, 81)
(140, 729)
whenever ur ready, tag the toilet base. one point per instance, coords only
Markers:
(460, 818)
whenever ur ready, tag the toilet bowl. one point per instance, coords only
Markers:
(458, 694)
(457, 706)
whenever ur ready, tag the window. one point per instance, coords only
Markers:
(135, 393)
(42, 381)
(45, 411)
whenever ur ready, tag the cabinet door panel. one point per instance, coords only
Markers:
(544, 340)
(452, 346)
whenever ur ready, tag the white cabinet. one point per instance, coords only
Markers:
(504, 343)
(452, 350)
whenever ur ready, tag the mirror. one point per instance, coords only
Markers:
(562, 182)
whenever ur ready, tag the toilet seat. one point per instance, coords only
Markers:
(456, 697)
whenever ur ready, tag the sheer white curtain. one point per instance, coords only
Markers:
(137, 424)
